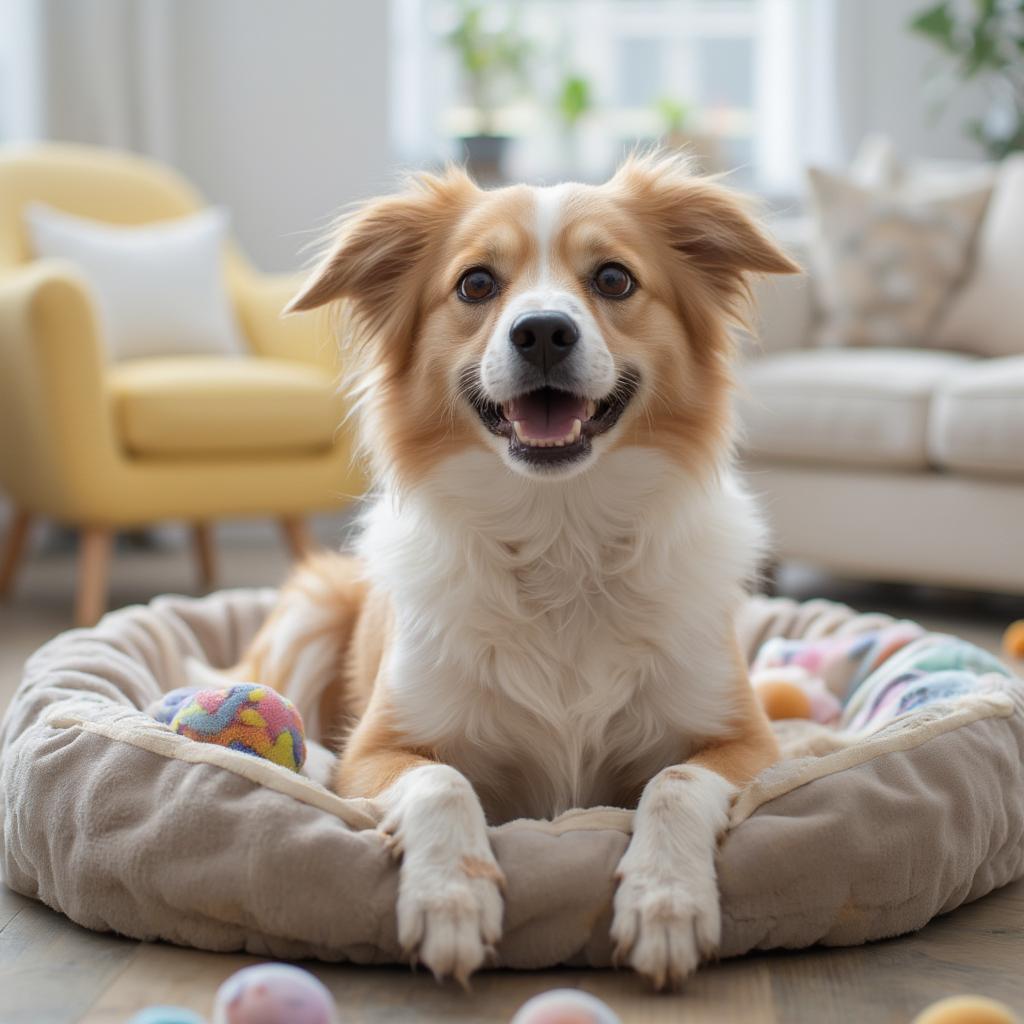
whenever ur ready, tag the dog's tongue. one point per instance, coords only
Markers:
(546, 415)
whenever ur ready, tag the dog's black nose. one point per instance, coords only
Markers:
(544, 337)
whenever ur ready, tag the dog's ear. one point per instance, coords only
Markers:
(709, 226)
(378, 248)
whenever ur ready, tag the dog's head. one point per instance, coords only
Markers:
(549, 324)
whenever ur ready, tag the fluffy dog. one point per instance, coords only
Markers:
(540, 614)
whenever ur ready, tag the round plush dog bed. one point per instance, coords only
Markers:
(122, 825)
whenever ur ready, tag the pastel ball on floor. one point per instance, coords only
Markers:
(967, 1009)
(273, 994)
(246, 717)
(166, 1015)
(565, 1006)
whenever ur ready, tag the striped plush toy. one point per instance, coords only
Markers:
(246, 717)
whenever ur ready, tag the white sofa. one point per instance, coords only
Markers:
(902, 465)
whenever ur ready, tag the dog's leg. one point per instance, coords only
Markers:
(666, 913)
(450, 886)
(300, 649)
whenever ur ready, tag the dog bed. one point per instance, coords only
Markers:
(122, 825)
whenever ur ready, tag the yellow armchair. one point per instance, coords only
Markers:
(106, 446)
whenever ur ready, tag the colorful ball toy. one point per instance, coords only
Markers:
(166, 1015)
(967, 1009)
(565, 1006)
(790, 691)
(247, 717)
(1013, 640)
(273, 994)
(171, 703)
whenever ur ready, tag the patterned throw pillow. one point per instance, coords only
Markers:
(887, 259)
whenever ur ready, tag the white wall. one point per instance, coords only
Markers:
(884, 83)
(282, 114)
(275, 108)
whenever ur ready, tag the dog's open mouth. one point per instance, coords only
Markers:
(550, 425)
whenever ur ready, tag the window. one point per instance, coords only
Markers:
(715, 76)
(18, 78)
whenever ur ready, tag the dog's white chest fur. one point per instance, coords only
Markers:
(561, 642)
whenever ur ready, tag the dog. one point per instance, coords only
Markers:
(540, 611)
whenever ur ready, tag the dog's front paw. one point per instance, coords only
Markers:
(663, 926)
(450, 917)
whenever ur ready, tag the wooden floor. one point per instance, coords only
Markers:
(53, 972)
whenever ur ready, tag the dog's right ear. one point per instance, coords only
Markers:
(377, 249)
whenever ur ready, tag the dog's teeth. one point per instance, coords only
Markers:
(590, 409)
(537, 442)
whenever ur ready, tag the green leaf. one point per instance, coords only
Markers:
(938, 24)
(575, 99)
(674, 114)
(983, 53)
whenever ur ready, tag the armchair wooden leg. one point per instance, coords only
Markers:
(297, 537)
(95, 546)
(202, 542)
(14, 550)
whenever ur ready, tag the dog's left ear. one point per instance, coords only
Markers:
(708, 225)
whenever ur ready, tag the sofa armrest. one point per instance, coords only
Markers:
(305, 337)
(784, 306)
(56, 419)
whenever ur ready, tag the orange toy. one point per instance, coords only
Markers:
(783, 699)
(967, 1010)
(1013, 640)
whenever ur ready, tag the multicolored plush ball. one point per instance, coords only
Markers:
(247, 717)
(170, 703)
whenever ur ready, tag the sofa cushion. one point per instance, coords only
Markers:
(886, 259)
(856, 407)
(209, 406)
(977, 423)
(987, 315)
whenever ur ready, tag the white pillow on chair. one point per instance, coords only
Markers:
(159, 288)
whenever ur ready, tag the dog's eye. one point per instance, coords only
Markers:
(613, 281)
(477, 285)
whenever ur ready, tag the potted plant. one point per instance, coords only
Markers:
(985, 39)
(573, 101)
(674, 116)
(490, 58)
(678, 132)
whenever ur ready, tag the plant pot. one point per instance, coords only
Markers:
(485, 157)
